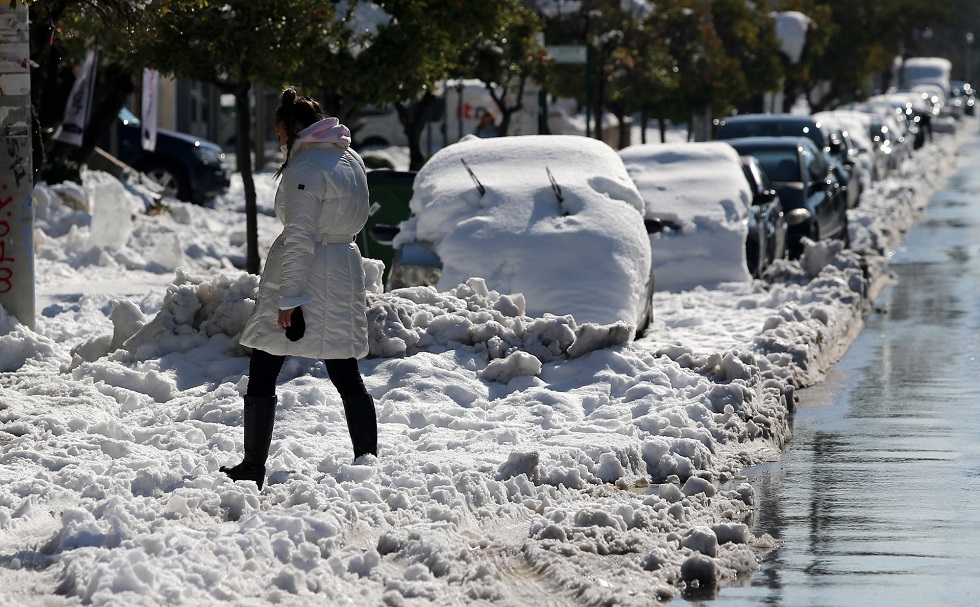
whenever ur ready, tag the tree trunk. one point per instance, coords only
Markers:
(42, 28)
(624, 130)
(597, 107)
(413, 120)
(501, 102)
(244, 128)
(114, 87)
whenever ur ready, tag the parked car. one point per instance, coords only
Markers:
(856, 127)
(887, 132)
(554, 217)
(844, 155)
(911, 108)
(935, 97)
(698, 191)
(964, 91)
(766, 240)
(816, 207)
(186, 167)
(796, 125)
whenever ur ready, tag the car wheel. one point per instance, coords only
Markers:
(644, 324)
(647, 319)
(799, 248)
(168, 176)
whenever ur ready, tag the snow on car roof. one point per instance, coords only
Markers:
(857, 124)
(687, 180)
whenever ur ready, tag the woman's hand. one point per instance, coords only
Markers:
(286, 318)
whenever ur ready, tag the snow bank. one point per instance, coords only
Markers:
(519, 454)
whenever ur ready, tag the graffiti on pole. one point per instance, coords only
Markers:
(16, 184)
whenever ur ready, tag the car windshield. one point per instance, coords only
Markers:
(128, 117)
(780, 165)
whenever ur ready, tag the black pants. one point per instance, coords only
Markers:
(264, 368)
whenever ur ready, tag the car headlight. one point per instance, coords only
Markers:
(413, 276)
(797, 216)
(209, 156)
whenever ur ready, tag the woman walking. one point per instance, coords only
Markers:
(311, 300)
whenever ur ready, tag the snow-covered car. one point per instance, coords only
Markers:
(553, 217)
(966, 94)
(858, 127)
(700, 194)
(912, 108)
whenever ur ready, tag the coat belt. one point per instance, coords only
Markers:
(335, 238)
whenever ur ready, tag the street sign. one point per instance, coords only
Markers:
(568, 53)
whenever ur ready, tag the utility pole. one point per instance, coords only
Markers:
(16, 174)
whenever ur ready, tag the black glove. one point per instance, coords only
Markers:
(297, 326)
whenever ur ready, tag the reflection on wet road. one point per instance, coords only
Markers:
(877, 503)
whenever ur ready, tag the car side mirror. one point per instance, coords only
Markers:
(653, 226)
(764, 197)
(384, 233)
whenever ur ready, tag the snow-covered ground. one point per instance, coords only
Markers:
(522, 460)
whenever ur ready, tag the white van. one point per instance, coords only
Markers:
(456, 113)
(926, 70)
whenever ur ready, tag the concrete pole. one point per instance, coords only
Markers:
(16, 183)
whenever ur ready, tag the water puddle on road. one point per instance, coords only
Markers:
(877, 502)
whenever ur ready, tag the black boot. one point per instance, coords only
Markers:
(362, 422)
(260, 415)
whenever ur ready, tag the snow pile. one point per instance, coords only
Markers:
(519, 453)
(791, 29)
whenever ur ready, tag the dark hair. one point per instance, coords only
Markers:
(296, 112)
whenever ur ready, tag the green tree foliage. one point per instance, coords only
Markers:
(505, 57)
(344, 67)
(61, 32)
(653, 78)
(748, 35)
(850, 43)
(599, 25)
(235, 44)
(706, 74)
(642, 73)
(957, 39)
(417, 49)
(670, 60)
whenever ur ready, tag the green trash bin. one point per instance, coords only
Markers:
(390, 194)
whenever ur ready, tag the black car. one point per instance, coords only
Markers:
(188, 168)
(766, 240)
(845, 154)
(814, 202)
(962, 90)
(797, 125)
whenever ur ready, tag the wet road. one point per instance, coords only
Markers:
(877, 503)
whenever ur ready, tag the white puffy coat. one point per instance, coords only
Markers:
(322, 202)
